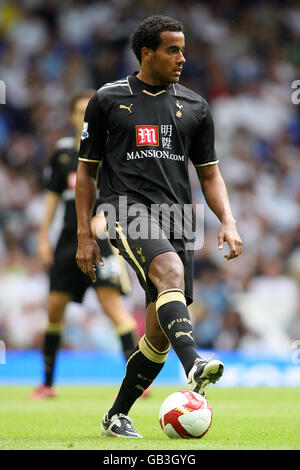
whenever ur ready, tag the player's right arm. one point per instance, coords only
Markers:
(85, 197)
(45, 249)
(92, 145)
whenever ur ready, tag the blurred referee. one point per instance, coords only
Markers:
(67, 281)
(144, 129)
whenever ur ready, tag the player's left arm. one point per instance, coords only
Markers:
(216, 196)
(203, 155)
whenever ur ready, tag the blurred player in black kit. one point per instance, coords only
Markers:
(67, 281)
(144, 129)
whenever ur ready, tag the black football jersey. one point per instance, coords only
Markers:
(144, 136)
(60, 177)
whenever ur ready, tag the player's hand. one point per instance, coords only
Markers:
(87, 251)
(228, 233)
(45, 252)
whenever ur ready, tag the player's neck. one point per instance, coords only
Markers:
(146, 77)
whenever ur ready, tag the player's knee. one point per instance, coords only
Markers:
(153, 330)
(55, 317)
(57, 303)
(154, 352)
(166, 271)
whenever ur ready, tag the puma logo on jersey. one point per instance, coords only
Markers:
(122, 106)
(187, 333)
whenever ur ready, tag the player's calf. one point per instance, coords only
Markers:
(142, 368)
(174, 319)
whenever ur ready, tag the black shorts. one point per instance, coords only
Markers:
(66, 276)
(140, 252)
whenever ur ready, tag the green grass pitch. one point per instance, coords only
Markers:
(243, 418)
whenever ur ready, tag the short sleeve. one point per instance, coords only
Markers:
(94, 132)
(202, 150)
(53, 177)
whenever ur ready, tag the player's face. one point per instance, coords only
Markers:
(167, 61)
(78, 112)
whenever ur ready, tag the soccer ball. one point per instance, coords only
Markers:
(186, 415)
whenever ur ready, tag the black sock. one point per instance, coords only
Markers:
(128, 342)
(51, 345)
(128, 338)
(142, 368)
(174, 319)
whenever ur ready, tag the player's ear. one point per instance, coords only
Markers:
(146, 55)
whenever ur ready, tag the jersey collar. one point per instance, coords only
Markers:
(136, 86)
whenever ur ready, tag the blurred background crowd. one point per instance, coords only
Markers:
(242, 56)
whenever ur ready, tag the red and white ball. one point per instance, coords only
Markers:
(185, 415)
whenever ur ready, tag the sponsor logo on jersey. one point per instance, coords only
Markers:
(147, 135)
(152, 153)
(85, 133)
(166, 136)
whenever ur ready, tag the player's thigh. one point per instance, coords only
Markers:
(57, 302)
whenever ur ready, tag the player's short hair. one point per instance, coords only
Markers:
(85, 94)
(147, 33)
